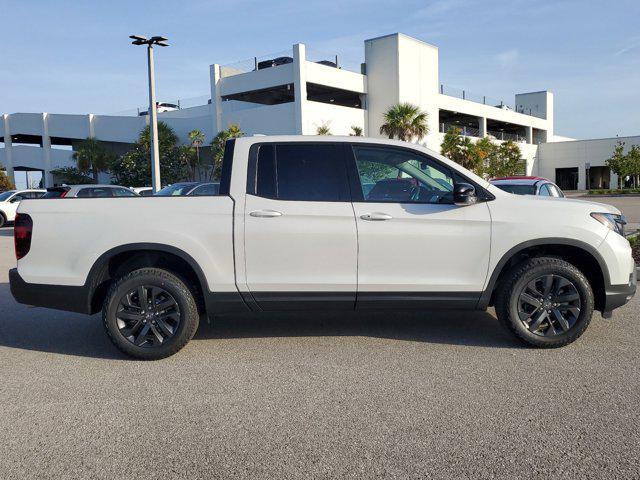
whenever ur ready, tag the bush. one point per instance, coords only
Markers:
(5, 183)
(615, 191)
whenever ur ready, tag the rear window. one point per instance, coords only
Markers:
(518, 189)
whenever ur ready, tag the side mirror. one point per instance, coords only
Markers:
(464, 194)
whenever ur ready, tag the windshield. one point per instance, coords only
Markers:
(5, 195)
(519, 189)
(177, 189)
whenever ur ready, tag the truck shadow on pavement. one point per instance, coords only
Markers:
(451, 327)
(44, 330)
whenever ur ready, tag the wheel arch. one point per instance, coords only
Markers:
(583, 256)
(125, 258)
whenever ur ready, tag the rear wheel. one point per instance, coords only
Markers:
(3, 220)
(545, 302)
(150, 313)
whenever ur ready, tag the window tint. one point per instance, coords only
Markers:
(123, 192)
(5, 195)
(17, 198)
(518, 189)
(303, 172)
(396, 175)
(544, 191)
(266, 172)
(96, 192)
(554, 190)
(207, 189)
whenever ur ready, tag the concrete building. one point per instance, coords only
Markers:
(299, 91)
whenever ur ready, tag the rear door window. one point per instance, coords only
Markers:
(313, 172)
(94, 192)
(122, 192)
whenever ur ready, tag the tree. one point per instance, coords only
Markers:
(405, 122)
(197, 138)
(323, 129)
(625, 164)
(484, 158)
(5, 183)
(134, 167)
(217, 148)
(634, 164)
(92, 157)
(618, 163)
(460, 150)
(503, 160)
(356, 131)
(71, 176)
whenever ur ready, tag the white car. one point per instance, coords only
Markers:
(143, 191)
(292, 228)
(89, 191)
(10, 200)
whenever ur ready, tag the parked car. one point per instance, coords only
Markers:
(528, 186)
(274, 62)
(143, 191)
(183, 189)
(292, 229)
(10, 200)
(162, 107)
(89, 191)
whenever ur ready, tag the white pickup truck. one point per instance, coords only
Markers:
(324, 223)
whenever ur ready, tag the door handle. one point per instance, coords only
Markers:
(376, 216)
(265, 213)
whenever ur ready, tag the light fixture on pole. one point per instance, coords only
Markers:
(153, 113)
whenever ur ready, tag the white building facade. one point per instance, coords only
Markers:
(297, 93)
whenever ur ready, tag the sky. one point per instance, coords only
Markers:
(64, 56)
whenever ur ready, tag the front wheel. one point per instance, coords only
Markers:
(545, 302)
(150, 314)
(3, 220)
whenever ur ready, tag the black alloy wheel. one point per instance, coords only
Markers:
(148, 316)
(549, 305)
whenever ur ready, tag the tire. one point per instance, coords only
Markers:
(534, 319)
(3, 220)
(167, 323)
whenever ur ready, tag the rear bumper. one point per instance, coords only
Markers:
(59, 297)
(618, 295)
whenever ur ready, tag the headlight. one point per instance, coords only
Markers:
(611, 221)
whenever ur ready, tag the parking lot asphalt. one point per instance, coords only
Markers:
(394, 395)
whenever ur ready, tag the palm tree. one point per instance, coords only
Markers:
(196, 137)
(323, 129)
(91, 157)
(217, 147)
(356, 131)
(405, 122)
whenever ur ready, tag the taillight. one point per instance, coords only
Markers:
(22, 229)
(64, 194)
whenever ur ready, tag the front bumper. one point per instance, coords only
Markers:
(618, 295)
(59, 297)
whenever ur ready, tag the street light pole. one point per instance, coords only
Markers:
(153, 126)
(153, 112)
